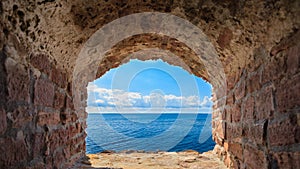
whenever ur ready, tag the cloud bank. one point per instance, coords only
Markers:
(115, 100)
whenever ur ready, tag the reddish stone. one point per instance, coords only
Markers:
(17, 81)
(274, 69)
(70, 103)
(286, 160)
(59, 77)
(21, 116)
(233, 132)
(38, 144)
(3, 122)
(254, 132)
(253, 83)
(240, 90)
(225, 38)
(248, 109)
(264, 103)
(49, 118)
(254, 158)
(288, 95)
(230, 99)
(44, 93)
(235, 112)
(59, 100)
(220, 129)
(12, 151)
(41, 62)
(284, 132)
(293, 59)
(236, 149)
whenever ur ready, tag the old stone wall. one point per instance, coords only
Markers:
(257, 43)
(39, 127)
(259, 127)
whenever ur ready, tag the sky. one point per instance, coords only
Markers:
(148, 87)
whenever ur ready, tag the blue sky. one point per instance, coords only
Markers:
(148, 86)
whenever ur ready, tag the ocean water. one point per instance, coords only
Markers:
(149, 132)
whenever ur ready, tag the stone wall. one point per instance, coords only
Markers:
(39, 127)
(257, 43)
(259, 127)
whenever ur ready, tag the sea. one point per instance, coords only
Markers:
(172, 132)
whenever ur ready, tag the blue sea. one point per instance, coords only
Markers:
(148, 132)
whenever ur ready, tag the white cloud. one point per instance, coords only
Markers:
(101, 99)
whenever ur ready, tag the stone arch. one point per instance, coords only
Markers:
(256, 41)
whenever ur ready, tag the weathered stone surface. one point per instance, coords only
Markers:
(288, 160)
(284, 131)
(254, 158)
(3, 122)
(42, 63)
(44, 93)
(48, 118)
(18, 81)
(256, 42)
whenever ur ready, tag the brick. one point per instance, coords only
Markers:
(59, 100)
(284, 132)
(48, 118)
(286, 160)
(3, 122)
(248, 109)
(17, 81)
(288, 95)
(41, 62)
(44, 93)
(236, 149)
(254, 158)
(264, 103)
(59, 77)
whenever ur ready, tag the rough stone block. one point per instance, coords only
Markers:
(284, 132)
(3, 122)
(20, 116)
(286, 160)
(41, 62)
(59, 100)
(288, 95)
(254, 158)
(248, 108)
(233, 132)
(59, 77)
(240, 90)
(17, 81)
(236, 149)
(293, 59)
(264, 103)
(253, 83)
(254, 132)
(44, 93)
(48, 118)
